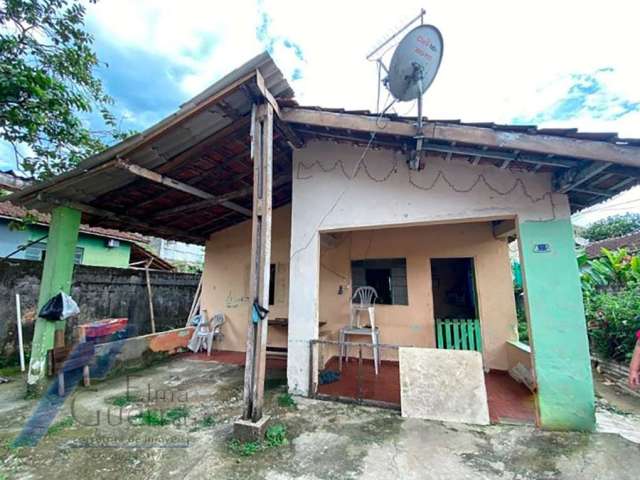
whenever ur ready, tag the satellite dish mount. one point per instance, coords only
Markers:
(413, 67)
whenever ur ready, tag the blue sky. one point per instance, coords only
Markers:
(566, 64)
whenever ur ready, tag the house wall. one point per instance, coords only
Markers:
(385, 193)
(414, 324)
(95, 252)
(11, 239)
(226, 280)
(225, 286)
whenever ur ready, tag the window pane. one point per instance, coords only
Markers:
(387, 275)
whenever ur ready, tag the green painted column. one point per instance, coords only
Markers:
(57, 274)
(557, 326)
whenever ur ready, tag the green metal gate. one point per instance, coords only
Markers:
(458, 334)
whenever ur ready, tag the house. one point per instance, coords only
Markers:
(96, 246)
(24, 234)
(630, 241)
(298, 206)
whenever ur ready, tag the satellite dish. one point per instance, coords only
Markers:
(413, 67)
(414, 63)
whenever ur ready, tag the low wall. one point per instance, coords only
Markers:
(101, 293)
(137, 350)
(615, 372)
(521, 364)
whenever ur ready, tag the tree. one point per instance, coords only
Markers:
(48, 86)
(614, 226)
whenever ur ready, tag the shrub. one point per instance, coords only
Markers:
(613, 319)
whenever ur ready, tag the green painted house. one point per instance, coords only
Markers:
(96, 246)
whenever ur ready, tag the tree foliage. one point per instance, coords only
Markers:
(611, 292)
(48, 86)
(613, 226)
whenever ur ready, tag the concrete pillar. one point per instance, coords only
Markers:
(57, 274)
(304, 291)
(557, 327)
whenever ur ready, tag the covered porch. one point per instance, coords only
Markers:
(442, 285)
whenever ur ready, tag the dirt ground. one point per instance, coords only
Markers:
(324, 440)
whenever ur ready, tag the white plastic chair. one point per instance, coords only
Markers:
(363, 300)
(206, 332)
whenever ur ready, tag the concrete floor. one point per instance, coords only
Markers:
(327, 440)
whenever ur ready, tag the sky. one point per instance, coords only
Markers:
(552, 63)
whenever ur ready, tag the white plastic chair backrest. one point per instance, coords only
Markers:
(364, 297)
(217, 321)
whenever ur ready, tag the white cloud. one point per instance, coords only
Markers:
(501, 59)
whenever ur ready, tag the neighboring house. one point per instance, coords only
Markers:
(178, 251)
(342, 209)
(631, 242)
(96, 246)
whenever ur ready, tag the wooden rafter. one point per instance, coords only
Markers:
(465, 134)
(574, 177)
(175, 184)
(134, 222)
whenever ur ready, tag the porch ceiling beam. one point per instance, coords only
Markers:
(243, 192)
(458, 150)
(218, 168)
(175, 184)
(504, 229)
(134, 222)
(594, 191)
(575, 177)
(624, 183)
(206, 203)
(539, 143)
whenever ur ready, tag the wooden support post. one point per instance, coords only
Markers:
(57, 273)
(262, 153)
(150, 295)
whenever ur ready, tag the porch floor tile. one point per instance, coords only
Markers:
(509, 401)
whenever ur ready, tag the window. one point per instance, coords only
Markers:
(272, 284)
(38, 251)
(387, 275)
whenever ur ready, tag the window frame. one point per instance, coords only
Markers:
(398, 288)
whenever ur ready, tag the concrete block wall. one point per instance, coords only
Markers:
(100, 293)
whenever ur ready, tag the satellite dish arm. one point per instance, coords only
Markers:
(377, 49)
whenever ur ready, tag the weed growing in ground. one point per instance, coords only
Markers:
(125, 400)
(276, 436)
(244, 449)
(286, 400)
(159, 418)
(208, 421)
(60, 426)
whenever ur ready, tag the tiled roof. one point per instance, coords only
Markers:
(8, 210)
(630, 241)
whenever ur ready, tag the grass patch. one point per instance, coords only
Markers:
(286, 400)
(160, 418)
(275, 436)
(11, 371)
(125, 400)
(244, 449)
(208, 421)
(60, 426)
